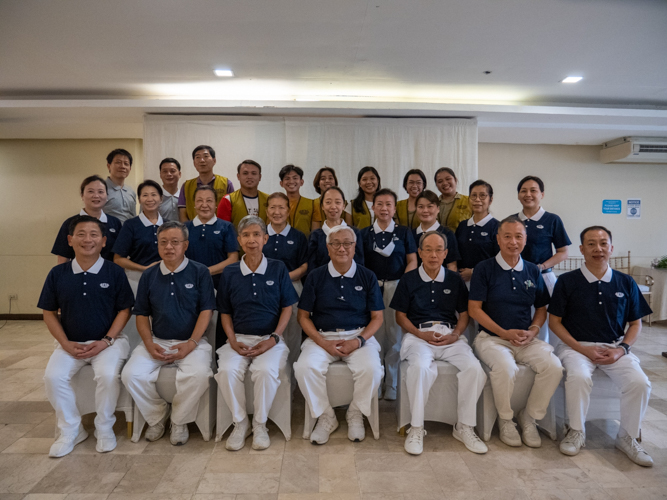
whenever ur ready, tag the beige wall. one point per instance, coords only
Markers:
(575, 185)
(39, 189)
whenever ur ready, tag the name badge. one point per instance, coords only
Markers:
(269, 282)
(216, 232)
(540, 226)
(358, 288)
(189, 285)
(447, 291)
(290, 242)
(112, 230)
(484, 234)
(620, 294)
(104, 285)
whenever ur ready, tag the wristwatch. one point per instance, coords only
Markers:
(275, 337)
(108, 340)
(625, 347)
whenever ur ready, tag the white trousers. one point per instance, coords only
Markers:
(264, 373)
(422, 373)
(292, 333)
(192, 380)
(544, 333)
(502, 357)
(389, 336)
(625, 373)
(313, 364)
(106, 365)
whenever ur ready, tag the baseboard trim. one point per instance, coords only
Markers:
(21, 317)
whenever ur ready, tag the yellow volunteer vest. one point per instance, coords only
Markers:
(360, 220)
(239, 210)
(190, 186)
(301, 216)
(460, 211)
(402, 215)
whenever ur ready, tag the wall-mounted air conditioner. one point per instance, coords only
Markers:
(635, 150)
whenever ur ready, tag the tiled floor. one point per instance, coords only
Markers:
(298, 470)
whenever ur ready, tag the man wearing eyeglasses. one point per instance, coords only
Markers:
(175, 301)
(340, 310)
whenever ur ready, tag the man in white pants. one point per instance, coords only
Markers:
(590, 310)
(502, 291)
(178, 296)
(427, 301)
(95, 299)
(255, 298)
(340, 310)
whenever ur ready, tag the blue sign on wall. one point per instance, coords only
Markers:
(611, 206)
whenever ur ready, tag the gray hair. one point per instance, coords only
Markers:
(511, 219)
(251, 220)
(338, 229)
(174, 225)
(429, 233)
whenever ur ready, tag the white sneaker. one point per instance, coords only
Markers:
(389, 394)
(355, 424)
(325, 426)
(179, 434)
(236, 439)
(66, 443)
(634, 451)
(529, 433)
(155, 432)
(414, 441)
(466, 434)
(106, 442)
(508, 433)
(572, 442)
(260, 437)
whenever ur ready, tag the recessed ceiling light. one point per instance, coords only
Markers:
(572, 79)
(224, 72)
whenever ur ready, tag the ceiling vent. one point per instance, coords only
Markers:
(635, 150)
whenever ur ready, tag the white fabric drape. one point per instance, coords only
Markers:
(391, 145)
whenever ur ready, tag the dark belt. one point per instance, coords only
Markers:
(545, 271)
(433, 323)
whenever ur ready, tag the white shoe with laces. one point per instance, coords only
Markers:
(260, 437)
(466, 434)
(236, 439)
(414, 441)
(106, 442)
(355, 424)
(529, 433)
(155, 432)
(179, 434)
(326, 424)
(634, 450)
(572, 442)
(508, 433)
(66, 443)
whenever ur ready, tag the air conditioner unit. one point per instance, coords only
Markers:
(635, 150)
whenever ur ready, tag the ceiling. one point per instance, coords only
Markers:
(93, 69)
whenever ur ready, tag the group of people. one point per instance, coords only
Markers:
(371, 282)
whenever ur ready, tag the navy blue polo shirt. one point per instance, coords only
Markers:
(452, 246)
(318, 254)
(594, 310)
(341, 302)
(137, 240)
(423, 299)
(477, 242)
(289, 246)
(174, 300)
(391, 267)
(62, 248)
(543, 230)
(88, 300)
(211, 242)
(255, 299)
(507, 294)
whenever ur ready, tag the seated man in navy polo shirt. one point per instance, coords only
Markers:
(175, 302)
(95, 299)
(427, 301)
(255, 299)
(502, 291)
(589, 311)
(340, 310)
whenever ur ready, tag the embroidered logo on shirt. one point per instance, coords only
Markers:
(358, 288)
(484, 234)
(112, 230)
(396, 238)
(189, 285)
(529, 284)
(216, 232)
(620, 294)
(303, 212)
(540, 226)
(269, 282)
(447, 291)
(104, 285)
(290, 242)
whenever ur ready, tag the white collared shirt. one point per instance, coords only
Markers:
(94, 269)
(471, 221)
(165, 270)
(103, 216)
(328, 229)
(590, 277)
(270, 231)
(349, 274)
(390, 227)
(197, 221)
(144, 220)
(506, 267)
(434, 227)
(535, 217)
(426, 278)
(261, 269)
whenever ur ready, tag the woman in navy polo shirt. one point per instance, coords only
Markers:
(544, 231)
(476, 236)
(428, 207)
(333, 204)
(212, 241)
(389, 251)
(94, 197)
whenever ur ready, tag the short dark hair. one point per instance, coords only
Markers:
(277, 194)
(444, 169)
(121, 152)
(530, 178)
(90, 180)
(174, 224)
(248, 162)
(206, 187)
(287, 169)
(210, 150)
(511, 219)
(430, 196)
(480, 182)
(594, 228)
(385, 192)
(80, 219)
(413, 171)
(149, 183)
(170, 160)
(318, 176)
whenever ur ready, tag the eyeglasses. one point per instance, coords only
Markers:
(345, 244)
(480, 197)
(173, 243)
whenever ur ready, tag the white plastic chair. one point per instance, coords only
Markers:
(339, 389)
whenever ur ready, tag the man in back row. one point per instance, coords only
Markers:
(121, 199)
(248, 200)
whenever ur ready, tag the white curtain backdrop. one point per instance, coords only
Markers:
(391, 145)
